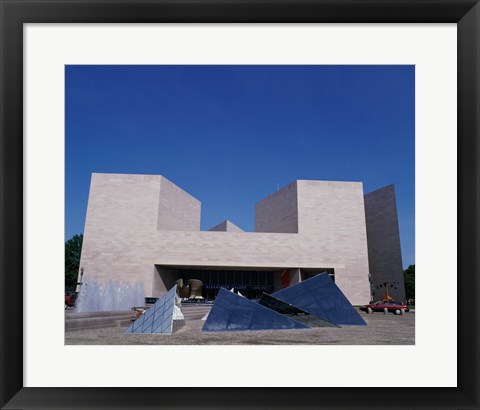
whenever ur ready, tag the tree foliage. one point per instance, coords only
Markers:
(73, 249)
(409, 276)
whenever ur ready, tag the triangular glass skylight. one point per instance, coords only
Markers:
(293, 312)
(321, 297)
(231, 312)
(158, 318)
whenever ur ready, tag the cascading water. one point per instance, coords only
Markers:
(94, 297)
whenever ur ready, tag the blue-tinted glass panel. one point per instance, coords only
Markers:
(149, 313)
(159, 305)
(167, 326)
(138, 322)
(158, 321)
(138, 329)
(240, 318)
(293, 312)
(169, 310)
(147, 324)
(235, 313)
(158, 317)
(321, 297)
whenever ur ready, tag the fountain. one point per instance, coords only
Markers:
(94, 297)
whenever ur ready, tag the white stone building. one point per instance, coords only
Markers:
(145, 228)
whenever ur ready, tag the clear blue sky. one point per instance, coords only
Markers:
(229, 134)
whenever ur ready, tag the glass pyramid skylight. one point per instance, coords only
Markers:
(321, 297)
(232, 312)
(158, 318)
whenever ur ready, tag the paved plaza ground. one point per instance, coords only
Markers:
(382, 329)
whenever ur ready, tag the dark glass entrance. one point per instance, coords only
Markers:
(251, 284)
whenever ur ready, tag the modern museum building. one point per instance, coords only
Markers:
(144, 228)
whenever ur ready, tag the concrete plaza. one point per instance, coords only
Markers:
(381, 329)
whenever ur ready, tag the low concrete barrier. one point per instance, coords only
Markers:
(92, 320)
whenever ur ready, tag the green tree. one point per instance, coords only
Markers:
(73, 249)
(409, 276)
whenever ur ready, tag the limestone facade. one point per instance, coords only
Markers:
(143, 227)
(384, 252)
(226, 226)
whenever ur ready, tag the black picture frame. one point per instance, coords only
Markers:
(14, 13)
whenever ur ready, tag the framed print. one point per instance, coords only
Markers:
(440, 370)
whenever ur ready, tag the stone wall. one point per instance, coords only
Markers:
(278, 212)
(331, 217)
(226, 226)
(138, 226)
(177, 210)
(384, 253)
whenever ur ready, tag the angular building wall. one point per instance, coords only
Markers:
(334, 214)
(123, 216)
(384, 253)
(226, 226)
(278, 212)
(143, 228)
(121, 208)
(329, 216)
(177, 210)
